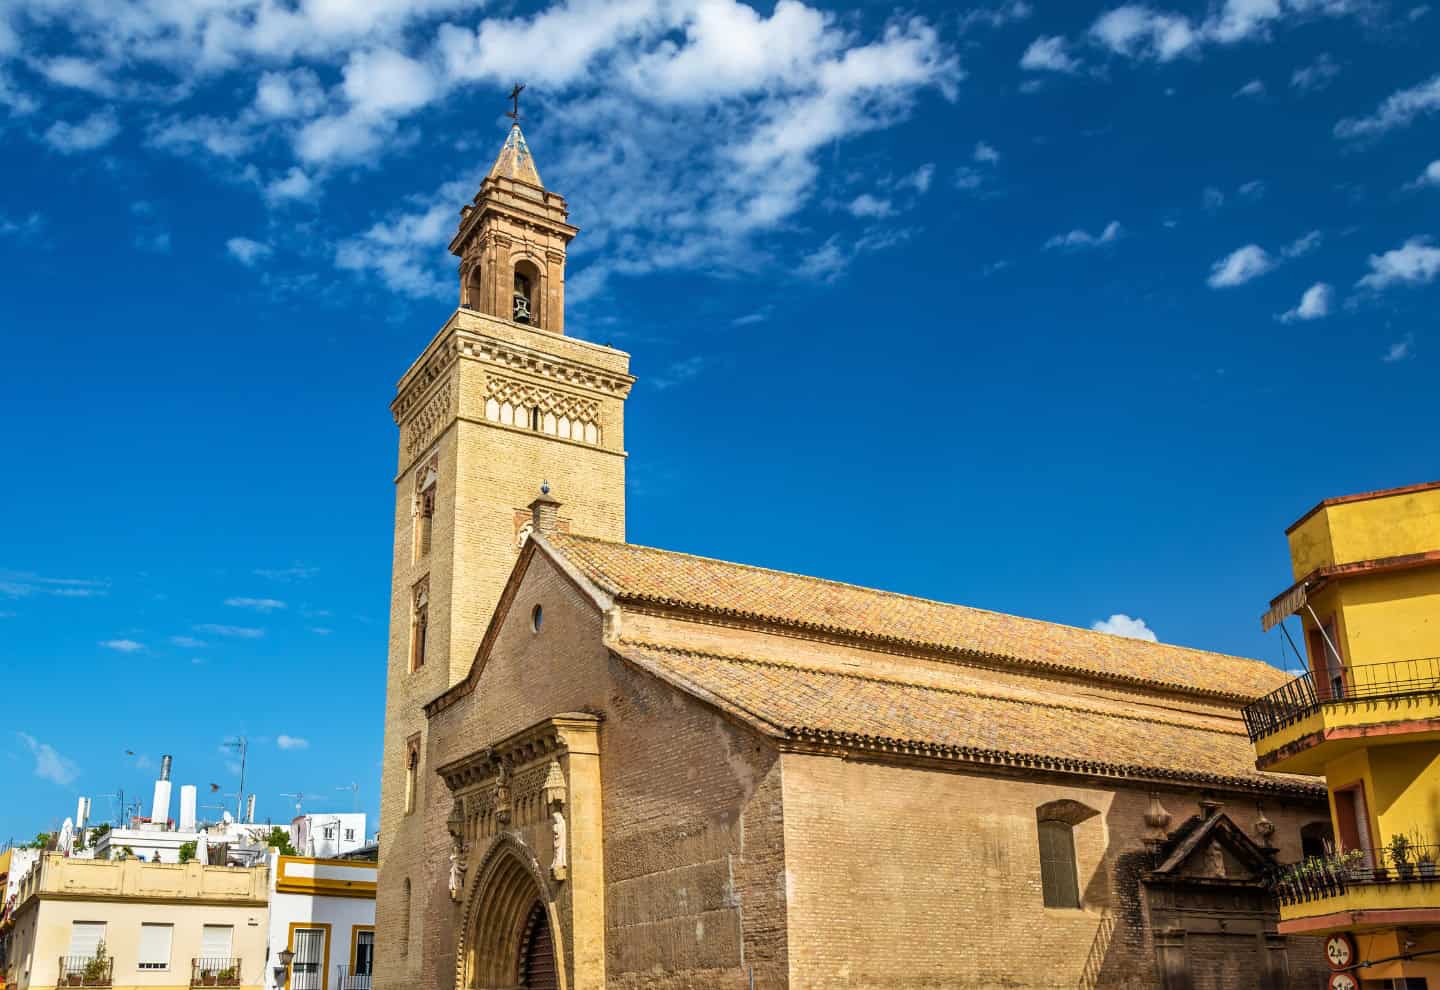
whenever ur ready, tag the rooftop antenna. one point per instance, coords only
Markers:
(514, 112)
(241, 744)
(354, 790)
(299, 797)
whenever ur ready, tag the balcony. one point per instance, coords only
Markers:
(86, 971)
(1304, 724)
(348, 979)
(215, 971)
(1372, 888)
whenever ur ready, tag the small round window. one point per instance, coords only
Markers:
(537, 617)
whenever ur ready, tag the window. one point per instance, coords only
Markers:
(307, 971)
(537, 617)
(1325, 660)
(218, 942)
(1317, 840)
(426, 486)
(412, 768)
(364, 962)
(86, 938)
(329, 831)
(349, 835)
(154, 946)
(419, 625)
(1058, 879)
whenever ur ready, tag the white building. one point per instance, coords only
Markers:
(327, 835)
(323, 910)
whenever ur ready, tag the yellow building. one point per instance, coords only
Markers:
(1366, 716)
(131, 924)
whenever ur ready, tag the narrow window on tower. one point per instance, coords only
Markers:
(426, 487)
(419, 624)
(412, 771)
(522, 298)
(527, 294)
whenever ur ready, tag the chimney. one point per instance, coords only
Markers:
(82, 815)
(187, 807)
(250, 810)
(544, 511)
(160, 807)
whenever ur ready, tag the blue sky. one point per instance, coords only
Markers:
(1056, 309)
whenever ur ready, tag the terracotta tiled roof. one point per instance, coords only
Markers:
(643, 574)
(891, 714)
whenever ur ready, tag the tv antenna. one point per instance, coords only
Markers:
(299, 797)
(242, 745)
(354, 789)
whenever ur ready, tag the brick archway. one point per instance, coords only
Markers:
(507, 887)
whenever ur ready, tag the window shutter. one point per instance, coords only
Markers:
(1059, 883)
(216, 941)
(155, 946)
(85, 937)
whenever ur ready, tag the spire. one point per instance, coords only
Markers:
(515, 161)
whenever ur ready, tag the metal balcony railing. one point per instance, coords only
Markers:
(1317, 879)
(215, 971)
(86, 971)
(1304, 696)
(348, 979)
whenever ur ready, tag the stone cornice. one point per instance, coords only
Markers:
(455, 342)
(824, 742)
(572, 732)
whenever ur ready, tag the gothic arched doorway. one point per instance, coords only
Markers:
(509, 940)
(537, 952)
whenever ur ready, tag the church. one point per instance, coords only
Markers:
(614, 766)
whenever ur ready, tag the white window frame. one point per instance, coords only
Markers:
(155, 964)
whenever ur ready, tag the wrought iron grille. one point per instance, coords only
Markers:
(215, 971)
(1316, 879)
(86, 971)
(1303, 696)
(349, 979)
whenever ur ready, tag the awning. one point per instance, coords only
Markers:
(1284, 607)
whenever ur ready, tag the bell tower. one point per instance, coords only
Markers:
(511, 243)
(499, 401)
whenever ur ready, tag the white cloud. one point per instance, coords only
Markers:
(866, 205)
(291, 742)
(296, 572)
(919, 180)
(230, 632)
(50, 765)
(1302, 245)
(678, 373)
(1049, 53)
(219, 136)
(1240, 266)
(1314, 304)
(246, 251)
(76, 73)
(1397, 110)
(258, 604)
(294, 185)
(1317, 75)
(1401, 350)
(1429, 177)
(985, 154)
(289, 94)
(95, 131)
(1140, 32)
(1078, 238)
(406, 249)
(1212, 199)
(22, 584)
(188, 642)
(1416, 262)
(995, 17)
(1121, 624)
(122, 645)
(1254, 88)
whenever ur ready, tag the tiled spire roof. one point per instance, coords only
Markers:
(515, 161)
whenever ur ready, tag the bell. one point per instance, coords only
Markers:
(522, 308)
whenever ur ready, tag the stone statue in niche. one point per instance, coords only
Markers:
(457, 872)
(559, 834)
(455, 825)
(502, 795)
(1215, 861)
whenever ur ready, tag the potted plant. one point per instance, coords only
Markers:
(96, 969)
(207, 977)
(227, 977)
(1400, 856)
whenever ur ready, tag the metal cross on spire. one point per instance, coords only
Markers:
(514, 112)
